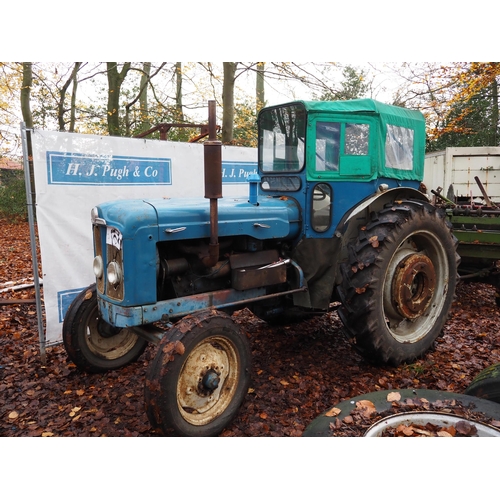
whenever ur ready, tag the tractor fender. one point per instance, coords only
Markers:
(359, 215)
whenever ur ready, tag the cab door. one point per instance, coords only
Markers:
(340, 165)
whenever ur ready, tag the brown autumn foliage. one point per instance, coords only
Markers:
(299, 371)
(436, 90)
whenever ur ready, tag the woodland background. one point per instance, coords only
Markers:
(459, 100)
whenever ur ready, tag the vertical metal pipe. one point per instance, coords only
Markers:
(213, 183)
(213, 157)
(31, 221)
(212, 127)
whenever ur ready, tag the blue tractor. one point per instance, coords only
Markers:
(336, 213)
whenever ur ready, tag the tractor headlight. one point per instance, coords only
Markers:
(98, 266)
(114, 273)
(95, 219)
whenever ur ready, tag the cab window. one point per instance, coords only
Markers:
(342, 148)
(321, 216)
(282, 139)
(399, 147)
(356, 139)
(336, 139)
(327, 146)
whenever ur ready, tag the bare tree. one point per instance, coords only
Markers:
(26, 94)
(178, 92)
(61, 109)
(143, 96)
(228, 101)
(115, 81)
(259, 86)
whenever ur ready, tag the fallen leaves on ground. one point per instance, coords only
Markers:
(364, 416)
(299, 371)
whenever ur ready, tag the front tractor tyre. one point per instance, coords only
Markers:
(92, 344)
(399, 283)
(199, 376)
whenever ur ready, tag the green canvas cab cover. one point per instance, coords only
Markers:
(397, 148)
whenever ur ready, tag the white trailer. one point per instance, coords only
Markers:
(454, 170)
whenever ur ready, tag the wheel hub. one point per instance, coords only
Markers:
(211, 380)
(106, 330)
(206, 380)
(413, 285)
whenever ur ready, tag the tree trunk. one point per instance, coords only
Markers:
(61, 109)
(143, 98)
(26, 94)
(228, 101)
(259, 87)
(178, 95)
(495, 139)
(115, 80)
(72, 118)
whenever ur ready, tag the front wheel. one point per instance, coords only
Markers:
(92, 344)
(199, 376)
(398, 286)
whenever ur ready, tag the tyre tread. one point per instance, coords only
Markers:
(360, 282)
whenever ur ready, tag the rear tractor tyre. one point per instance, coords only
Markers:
(92, 344)
(398, 286)
(199, 376)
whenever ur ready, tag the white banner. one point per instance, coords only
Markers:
(74, 172)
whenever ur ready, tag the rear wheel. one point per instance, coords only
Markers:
(398, 286)
(199, 376)
(91, 343)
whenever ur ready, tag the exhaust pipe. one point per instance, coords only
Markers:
(212, 149)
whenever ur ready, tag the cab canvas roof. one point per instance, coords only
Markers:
(391, 114)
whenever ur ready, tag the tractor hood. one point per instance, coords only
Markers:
(189, 218)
